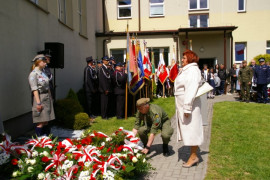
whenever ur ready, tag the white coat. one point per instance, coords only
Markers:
(186, 85)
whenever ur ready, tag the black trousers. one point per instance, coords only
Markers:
(233, 85)
(262, 95)
(120, 105)
(104, 100)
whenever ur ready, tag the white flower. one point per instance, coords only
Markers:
(138, 155)
(15, 173)
(44, 153)
(125, 149)
(84, 173)
(34, 154)
(30, 169)
(134, 159)
(121, 128)
(108, 139)
(41, 176)
(143, 160)
(103, 143)
(48, 176)
(87, 164)
(136, 150)
(33, 161)
(27, 161)
(113, 134)
(92, 135)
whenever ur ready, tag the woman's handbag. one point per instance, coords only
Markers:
(203, 89)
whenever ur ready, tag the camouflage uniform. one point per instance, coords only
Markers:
(245, 76)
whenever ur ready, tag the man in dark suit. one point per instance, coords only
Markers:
(90, 85)
(119, 80)
(104, 86)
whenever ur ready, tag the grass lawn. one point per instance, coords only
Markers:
(240, 141)
(109, 126)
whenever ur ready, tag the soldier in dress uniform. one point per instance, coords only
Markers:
(244, 79)
(90, 85)
(119, 80)
(262, 78)
(42, 109)
(149, 119)
(104, 86)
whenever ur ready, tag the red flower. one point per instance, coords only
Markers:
(95, 166)
(75, 171)
(79, 146)
(45, 159)
(81, 163)
(124, 168)
(14, 161)
(109, 149)
(119, 149)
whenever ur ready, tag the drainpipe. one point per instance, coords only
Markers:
(139, 9)
(231, 49)
(186, 40)
(104, 45)
(225, 51)
(103, 15)
(176, 39)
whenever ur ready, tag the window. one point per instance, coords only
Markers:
(65, 12)
(157, 52)
(124, 9)
(268, 47)
(119, 54)
(241, 5)
(198, 20)
(198, 4)
(240, 51)
(82, 17)
(156, 8)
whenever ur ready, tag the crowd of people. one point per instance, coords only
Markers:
(248, 81)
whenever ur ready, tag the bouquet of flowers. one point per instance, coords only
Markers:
(93, 156)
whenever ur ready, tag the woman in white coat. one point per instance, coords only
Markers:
(188, 108)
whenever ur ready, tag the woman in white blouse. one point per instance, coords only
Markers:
(188, 108)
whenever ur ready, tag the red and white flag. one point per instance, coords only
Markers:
(162, 72)
(173, 72)
(147, 65)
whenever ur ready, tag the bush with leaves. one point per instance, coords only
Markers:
(81, 121)
(265, 56)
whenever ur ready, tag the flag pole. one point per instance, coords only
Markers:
(126, 98)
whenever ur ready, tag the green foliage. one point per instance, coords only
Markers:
(265, 56)
(240, 143)
(81, 121)
(72, 95)
(82, 99)
(65, 111)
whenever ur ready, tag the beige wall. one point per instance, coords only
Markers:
(24, 29)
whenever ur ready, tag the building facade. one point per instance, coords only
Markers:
(26, 25)
(223, 31)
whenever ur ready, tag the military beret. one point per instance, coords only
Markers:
(39, 57)
(244, 61)
(261, 60)
(105, 58)
(142, 101)
(89, 59)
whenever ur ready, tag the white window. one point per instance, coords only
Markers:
(119, 54)
(198, 20)
(268, 47)
(241, 5)
(62, 10)
(156, 8)
(240, 51)
(124, 9)
(198, 4)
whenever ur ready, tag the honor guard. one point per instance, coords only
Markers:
(90, 85)
(104, 86)
(149, 119)
(119, 79)
(262, 78)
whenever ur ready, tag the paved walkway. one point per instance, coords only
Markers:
(170, 168)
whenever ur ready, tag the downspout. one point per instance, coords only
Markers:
(186, 40)
(139, 9)
(231, 49)
(103, 15)
(104, 45)
(225, 51)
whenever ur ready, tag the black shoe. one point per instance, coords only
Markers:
(166, 151)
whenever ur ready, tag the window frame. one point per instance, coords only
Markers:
(198, 20)
(65, 11)
(245, 51)
(198, 4)
(119, 49)
(80, 15)
(156, 4)
(267, 47)
(244, 10)
(124, 6)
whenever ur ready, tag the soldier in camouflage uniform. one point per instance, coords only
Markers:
(245, 78)
(149, 119)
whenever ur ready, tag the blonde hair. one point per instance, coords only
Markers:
(35, 64)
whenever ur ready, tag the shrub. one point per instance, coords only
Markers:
(65, 111)
(265, 56)
(82, 99)
(81, 121)
(72, 95)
